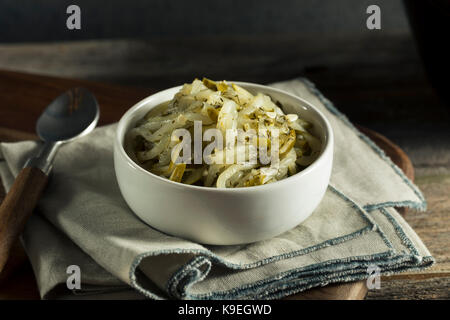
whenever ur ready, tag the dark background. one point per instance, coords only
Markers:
(375, 76)
(44, 20)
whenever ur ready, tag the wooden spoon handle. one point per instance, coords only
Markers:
(17, 207)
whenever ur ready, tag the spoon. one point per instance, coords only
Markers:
(73, 114)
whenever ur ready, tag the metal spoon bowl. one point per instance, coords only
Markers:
(73, 114)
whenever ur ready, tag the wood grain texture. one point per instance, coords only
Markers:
(433, 226)
(25, 96)
(434, 288)
(339, 291)
(164, 62)
(376, 80)
(114, 100)
(17, 206)
(17, 279)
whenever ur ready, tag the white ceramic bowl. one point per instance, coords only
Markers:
(224, 216)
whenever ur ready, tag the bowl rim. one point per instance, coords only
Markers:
(126, 118)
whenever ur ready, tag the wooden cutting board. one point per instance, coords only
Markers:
(22, 99)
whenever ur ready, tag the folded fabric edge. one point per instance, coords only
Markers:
(323, 267)
(422, 205)
(332, 271)
(328, 272)
(407, 240)
(346, 270)
(180, 278)
(189, 273)
(396, 265)
(187, 276)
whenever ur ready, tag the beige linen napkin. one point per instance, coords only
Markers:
(83, 220)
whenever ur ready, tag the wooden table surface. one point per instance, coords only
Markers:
(23, 97)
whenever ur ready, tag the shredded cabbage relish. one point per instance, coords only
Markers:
(217, 134)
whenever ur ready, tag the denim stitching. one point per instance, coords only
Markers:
(185, 269)
(401, 264)
(401, 234)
